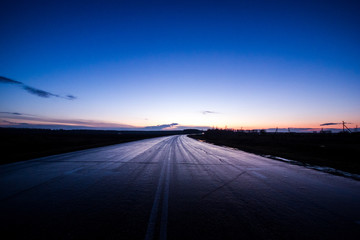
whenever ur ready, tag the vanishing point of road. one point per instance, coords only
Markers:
(173, 188)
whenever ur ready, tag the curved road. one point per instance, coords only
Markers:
(173, 188)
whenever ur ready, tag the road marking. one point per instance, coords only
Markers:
(164, 216)
(154, 211)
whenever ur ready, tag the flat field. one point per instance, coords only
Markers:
(22, 144)
(336, 150)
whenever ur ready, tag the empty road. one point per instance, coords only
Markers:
(173, 188)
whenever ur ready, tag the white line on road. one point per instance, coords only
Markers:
(154, 211)
(164, 216)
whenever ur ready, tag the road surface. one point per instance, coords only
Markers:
(173, 188)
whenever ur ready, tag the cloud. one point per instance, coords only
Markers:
(329, 124)
(39, 92)
(35, 91)
(46, 120)
(7, 122)
(208, 112)
(183, 127)
(70, 97)
(13, 119)
(12, 113)
(24, 120)
(161, 127)
(9, 81)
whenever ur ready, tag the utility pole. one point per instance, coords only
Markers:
(276, 130)
(344, 126)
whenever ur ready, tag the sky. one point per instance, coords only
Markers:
(176, 64)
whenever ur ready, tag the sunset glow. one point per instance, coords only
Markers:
(131, 66)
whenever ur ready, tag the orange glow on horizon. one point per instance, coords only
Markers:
(98, 124)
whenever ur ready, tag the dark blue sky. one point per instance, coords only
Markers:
(88, 48)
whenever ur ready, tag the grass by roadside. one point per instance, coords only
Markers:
(22, 144)
(340, 151)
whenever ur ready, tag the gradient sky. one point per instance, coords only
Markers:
(251, 64)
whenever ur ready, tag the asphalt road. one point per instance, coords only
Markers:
(173, 188)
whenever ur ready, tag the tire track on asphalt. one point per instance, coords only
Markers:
(161, 197)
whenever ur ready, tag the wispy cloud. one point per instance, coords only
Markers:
(5, 122)
(14, 119)
(11, 113)
(209, 112)
(329, 124)
(9, 81)
(25, 120)
(24, 117)
(35, 91)
(40, 93)
(161, 127)
(70, 97)
(183, 127)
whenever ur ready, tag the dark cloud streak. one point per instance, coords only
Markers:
(160, 127)
(70, 97)
(9, 81)
(57, 121)
(7, 122)
(35, 91)
(38, 92)
(209, 112)
(12, 113)
(329, 124)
